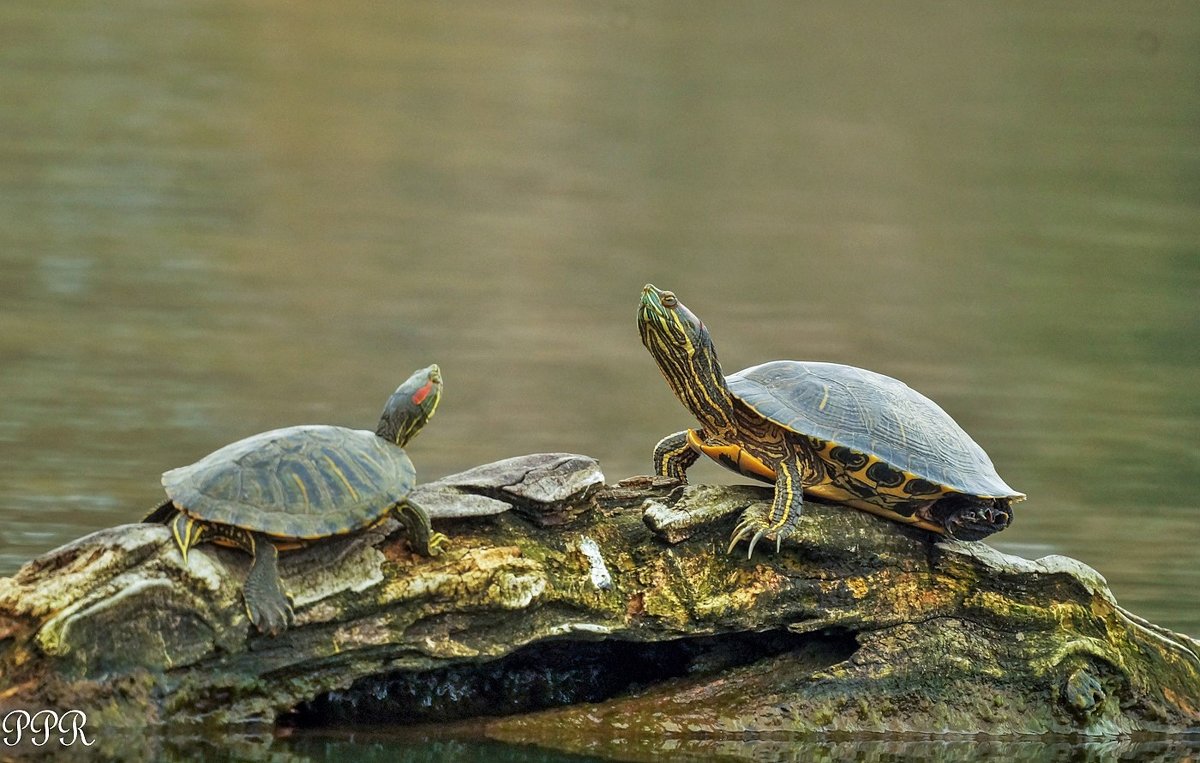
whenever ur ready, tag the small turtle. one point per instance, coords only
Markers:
(838, 432)
(282, 489)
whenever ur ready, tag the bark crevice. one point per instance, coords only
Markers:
(884, 628)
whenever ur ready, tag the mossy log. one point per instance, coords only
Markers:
(617, 603)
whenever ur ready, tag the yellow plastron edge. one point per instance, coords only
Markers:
(736, 458)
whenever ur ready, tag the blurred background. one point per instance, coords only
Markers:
(219, 218)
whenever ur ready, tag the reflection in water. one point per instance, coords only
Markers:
(410, 746)
(218, 223)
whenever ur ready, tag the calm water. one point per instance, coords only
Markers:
(218, 218)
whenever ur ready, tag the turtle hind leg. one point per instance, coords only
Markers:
(673, 455)
(162, 513)
(267, 604)
(419, 529)
(967, 517)
(778, 520)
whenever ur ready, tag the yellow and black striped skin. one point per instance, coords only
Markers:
(688, 361)
(761, 423)
(836, 488)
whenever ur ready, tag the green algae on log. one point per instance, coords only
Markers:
(857, 625)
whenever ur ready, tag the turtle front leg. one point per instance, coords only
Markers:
(267, 604)
(674, 454)
(420, 531)
(779, 520)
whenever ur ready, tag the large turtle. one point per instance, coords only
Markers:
(838, 432)
(282, 489)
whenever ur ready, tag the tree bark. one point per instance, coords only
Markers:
(619, 599)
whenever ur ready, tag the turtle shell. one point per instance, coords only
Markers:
(873, 414)
(301, 482)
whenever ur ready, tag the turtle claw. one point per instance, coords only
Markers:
(271, 615)
(271, 620)
(756, 524)
(754, 542)
(739, 532)
(438, 543)
(974, 519)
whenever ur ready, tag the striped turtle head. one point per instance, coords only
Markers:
(410, 406)
(680, 344)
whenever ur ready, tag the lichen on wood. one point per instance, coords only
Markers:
(856, 625)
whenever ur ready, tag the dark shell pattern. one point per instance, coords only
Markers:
(300, 482)
(873, 414)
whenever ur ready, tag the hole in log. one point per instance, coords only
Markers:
(556, 673)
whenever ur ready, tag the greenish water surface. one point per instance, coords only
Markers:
(219, 218)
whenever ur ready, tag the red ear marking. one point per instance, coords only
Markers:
(420, 395)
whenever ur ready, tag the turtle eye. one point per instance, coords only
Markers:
(669, 300)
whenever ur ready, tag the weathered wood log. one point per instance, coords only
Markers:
(620, 596)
